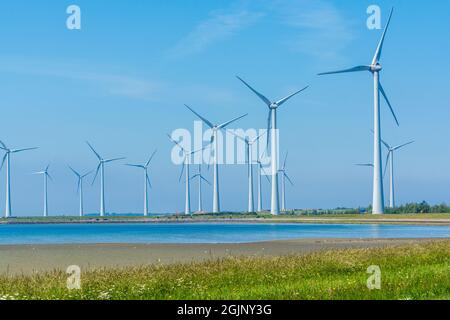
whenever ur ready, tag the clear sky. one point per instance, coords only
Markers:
(121, 82)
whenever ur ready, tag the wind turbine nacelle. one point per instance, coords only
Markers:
(273, 106)
(376, 68)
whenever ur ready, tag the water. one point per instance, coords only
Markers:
(204, 233)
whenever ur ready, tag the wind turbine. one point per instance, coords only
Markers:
(215, 128)
(249, 144)
(101, 168)
(284, 176)
(146, 180)
(46, 176)
(260, 172)
(272, 127)
(185, 168)
(200, 179)
(80, 187)
(390, 156)
(7, 159)
(375, 68)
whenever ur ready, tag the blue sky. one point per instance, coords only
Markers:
(122, 80)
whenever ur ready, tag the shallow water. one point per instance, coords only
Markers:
(205, 233)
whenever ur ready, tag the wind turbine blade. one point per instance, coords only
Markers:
(96, 172)
(46, 169)
(223, 125)
(148, 181)
(209, 183)
(93, 150)
(285, 160)
(264, 173)
(364, 165)
(403, 145)
(78, 186)
(3, 146)
(112, 160)
(289, 179)
(150, 159)
(354, 69)
(182, 171)
(135, 165)
(208, 123)
(259, 137)
(3, 161)
(389, 104)
(269, 126)
(237, 136)
(387, 163)
(282, 101)
(262, 97)
(194, 176)
(84, 176)
(50, 177)
(21, 150)
(179, 145)
(76, 173)
(377, 55)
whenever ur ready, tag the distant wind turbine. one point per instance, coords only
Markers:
(261, 172)
(7, 159)
(80, 178)
(147, 182)
(249, 144)
(284, 176)
(185, 169)
(201, 178)
(390, 156)
(101, 168)
(46, 177)
(375, 68)
(215, 128)
(272, 127)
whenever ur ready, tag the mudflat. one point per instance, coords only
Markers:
(26, 259)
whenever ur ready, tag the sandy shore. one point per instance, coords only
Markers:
(18, 259)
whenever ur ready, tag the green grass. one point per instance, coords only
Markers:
(414, 272)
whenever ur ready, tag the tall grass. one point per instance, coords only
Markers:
(414, 272)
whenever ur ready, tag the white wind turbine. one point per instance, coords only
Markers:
(185, 169)
(272, 127)
(215, 128)
(375, 68)
(261, 172)
(101, 168)
(249, 144)
(147, 182)
(201, 178)
(80, 178)
(284, 176)
(7, 160)
(46, 177)
(390, 162)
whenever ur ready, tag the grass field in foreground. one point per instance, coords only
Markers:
(414, 272)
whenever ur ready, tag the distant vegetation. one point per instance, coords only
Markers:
(413, 272)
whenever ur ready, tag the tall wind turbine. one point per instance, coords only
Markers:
(261, 172)
(272, 127)
(375, 68)
(101, 168)
(249, 144)
(284, 176)
(390, 161)
(215, 128)
(201, 178)
(46, 177)
(7, 159)
(80, 178)
(147, 182)
(185, 169)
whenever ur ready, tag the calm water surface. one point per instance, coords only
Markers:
(204, 233)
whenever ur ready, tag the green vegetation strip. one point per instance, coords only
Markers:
(414, 272)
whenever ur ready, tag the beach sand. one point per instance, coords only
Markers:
(26, 259)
